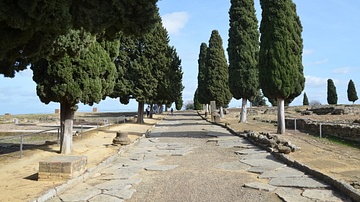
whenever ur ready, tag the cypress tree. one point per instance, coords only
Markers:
(243, 50)
(175, 79)
(280, 57)
(331, 92)
(197, 104)
(305, 100)
(78, 70)
(203, 95)
(351, 92)
(217, 71)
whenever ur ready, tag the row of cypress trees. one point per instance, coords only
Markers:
(275, 66)
(332, 97)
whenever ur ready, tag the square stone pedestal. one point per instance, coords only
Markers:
(61, 167)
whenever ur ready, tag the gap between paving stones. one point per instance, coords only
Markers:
(88, 173)
(341, 186)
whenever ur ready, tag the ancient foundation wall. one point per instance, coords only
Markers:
(343, 131)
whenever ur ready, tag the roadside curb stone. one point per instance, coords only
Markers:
(87, 174)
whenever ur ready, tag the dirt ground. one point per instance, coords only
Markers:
(18, 178)
(334, 159)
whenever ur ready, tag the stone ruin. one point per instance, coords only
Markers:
(333, 110)
(272, 142)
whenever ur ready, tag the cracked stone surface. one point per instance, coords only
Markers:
(185, 158)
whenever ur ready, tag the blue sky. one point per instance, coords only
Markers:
(331, 50)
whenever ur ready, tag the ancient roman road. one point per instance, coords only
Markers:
(185, 158)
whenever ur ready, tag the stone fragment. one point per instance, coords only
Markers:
(250, 151)
(282, 172)
(82, 192)
(300, 182)
(291, 194)
(322, 195)
(260, 186)
(121, 138)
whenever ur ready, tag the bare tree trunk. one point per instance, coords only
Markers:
(140, 115)
(66, 127)
(243, 111)
(221, 112)
(280, 116)
(151, 110)
(206, 110)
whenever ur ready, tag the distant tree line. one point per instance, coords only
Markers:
(273, 64)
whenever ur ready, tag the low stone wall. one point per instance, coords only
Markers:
(343, 131)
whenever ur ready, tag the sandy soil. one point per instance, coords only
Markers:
(334, 159)
(18, 179)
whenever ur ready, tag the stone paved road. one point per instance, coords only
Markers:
(187, 159)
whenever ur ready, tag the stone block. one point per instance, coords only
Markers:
(62, 167)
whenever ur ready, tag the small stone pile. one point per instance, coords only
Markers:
(271, 141)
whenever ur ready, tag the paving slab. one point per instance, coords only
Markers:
(112, 185)
(322, 195)
(122, 194)
(260, 186)
(234, 166)
(104, 197)
(291, 195)
(281, 172)
(265, 168)
(81, 192)
(263, 163)
(300, 182)
(250, 151)
(262, 155)
(160, 167)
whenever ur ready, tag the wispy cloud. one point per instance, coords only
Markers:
(174, 22)
(319, 62)
(308, 52)
(343, 70)
(313, 81)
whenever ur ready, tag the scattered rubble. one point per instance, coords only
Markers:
(273, 142)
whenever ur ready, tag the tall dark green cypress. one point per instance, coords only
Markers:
(331, 92)
(351, 92)
(203, 95)
(243, 51)
(280, 57)
(305, 100)
(218, 76)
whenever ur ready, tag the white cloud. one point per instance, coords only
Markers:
(313, 81)
(308, 52)
(319, 62)
(174, 22)
(343, 70)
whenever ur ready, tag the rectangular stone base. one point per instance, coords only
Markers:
(62, 167)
